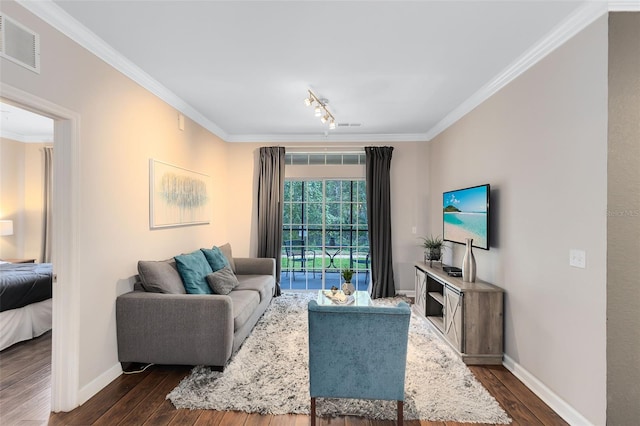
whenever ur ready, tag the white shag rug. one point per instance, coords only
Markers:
(269, 375)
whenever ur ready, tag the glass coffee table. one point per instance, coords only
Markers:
(358, 298)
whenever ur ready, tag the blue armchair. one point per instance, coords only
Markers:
(358, 352)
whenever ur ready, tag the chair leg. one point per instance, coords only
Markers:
(400, 412)
(313, 412)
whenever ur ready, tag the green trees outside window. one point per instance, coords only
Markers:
(325, 229)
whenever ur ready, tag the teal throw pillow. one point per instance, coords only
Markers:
(223, 280)
(216, 259)
(193, 269)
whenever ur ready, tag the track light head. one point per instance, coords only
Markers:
(321, 109)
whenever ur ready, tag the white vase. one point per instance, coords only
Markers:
(469, 263)
(348, 288)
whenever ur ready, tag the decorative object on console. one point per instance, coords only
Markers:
(6, 227)
(469, 263)
(347, 287)
(433, 247)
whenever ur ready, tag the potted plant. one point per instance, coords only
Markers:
(433, 247)
(347, 287)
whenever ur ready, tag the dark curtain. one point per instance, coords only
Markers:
(378, 168)
(270, 198)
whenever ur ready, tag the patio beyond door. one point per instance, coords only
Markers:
(324, 231)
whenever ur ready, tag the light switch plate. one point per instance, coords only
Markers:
(578, 258)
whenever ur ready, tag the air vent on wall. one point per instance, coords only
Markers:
(19, 44)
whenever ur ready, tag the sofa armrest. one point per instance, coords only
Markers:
(187, 329)
(255, 266)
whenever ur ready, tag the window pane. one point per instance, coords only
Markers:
(299, 159)
(361, 191)
(316, 159)
(296, 191)
(296, 214)
(333, 190)
(350, 159)
(333, 214)
(314, 214)
(346, 190)
(314, 191)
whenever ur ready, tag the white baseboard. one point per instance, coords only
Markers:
(408, 293)
(560, 406)
(99, 383)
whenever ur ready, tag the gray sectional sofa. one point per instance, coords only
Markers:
(160, 323)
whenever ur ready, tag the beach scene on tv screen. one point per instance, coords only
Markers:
(465, 215)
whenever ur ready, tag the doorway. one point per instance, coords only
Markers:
(325, 231)
(65, 337)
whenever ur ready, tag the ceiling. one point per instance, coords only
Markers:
(391, 70)
(24, 126)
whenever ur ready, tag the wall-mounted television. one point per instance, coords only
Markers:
(465, 214)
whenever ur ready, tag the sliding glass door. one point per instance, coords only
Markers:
(324, 231)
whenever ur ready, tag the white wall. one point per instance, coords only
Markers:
(122, 126)
(541, 142)
(22, 198)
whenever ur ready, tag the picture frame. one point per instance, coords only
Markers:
(178, 196)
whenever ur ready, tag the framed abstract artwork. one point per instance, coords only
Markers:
(177, 196)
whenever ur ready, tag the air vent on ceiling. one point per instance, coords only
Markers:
(349, 124)
(19, 44)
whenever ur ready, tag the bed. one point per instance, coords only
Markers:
(25, 301)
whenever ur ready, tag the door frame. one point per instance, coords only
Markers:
(65, 351)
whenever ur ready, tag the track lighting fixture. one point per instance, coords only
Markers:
(320, 108)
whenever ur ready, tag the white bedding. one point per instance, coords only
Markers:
(25, 323)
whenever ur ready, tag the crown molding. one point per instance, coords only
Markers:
(624, 6)
(573, 24)
(330, 137)
(55, 16)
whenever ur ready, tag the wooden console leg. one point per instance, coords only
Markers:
(313, 412)
(400, 412)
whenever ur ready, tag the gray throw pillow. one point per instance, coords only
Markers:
(226, 250)
(222, 281)
(160, 276)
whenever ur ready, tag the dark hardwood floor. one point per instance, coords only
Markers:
(139, 399)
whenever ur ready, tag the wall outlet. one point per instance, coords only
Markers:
(414, 230)
(578, 258)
